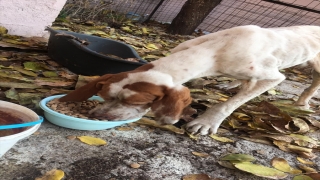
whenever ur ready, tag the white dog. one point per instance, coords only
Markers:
(250, 54)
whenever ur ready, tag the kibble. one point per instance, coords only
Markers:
(75, 109)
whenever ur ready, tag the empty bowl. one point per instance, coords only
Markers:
(101, 56)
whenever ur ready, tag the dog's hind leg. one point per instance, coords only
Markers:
(310, 91)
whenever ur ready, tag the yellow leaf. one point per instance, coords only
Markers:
(261, 171)
(145, 30)
(238, 157)
(200, 154)
(223, 99)
(303, 161)
(282, 165)
(54, 174)
(221, 139)
(3, 30)
(192, 136)
(153, 123)
(126, 28)
(151, 46)
(241, 116)
(223, 95)
(307, 169)
(150, 56)
(272, 92)
(196, 177)
(92, 140)
(299, 149)
(302, 177)
(303, 138)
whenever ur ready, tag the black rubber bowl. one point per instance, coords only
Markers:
(92, 59)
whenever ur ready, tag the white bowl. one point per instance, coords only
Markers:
(25, 114)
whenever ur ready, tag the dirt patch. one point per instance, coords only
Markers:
(97, 168)
(26, 171)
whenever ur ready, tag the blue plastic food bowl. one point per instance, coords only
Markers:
(78, 123)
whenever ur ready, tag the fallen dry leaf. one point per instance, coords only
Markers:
(302, 177)
(259, 170)
(200, 154)
(307, 169)
(135, 165)
(282, 165)
(149, 122)
(193, 136)
(241, 116)
(238, 157)
(54, 174)
(221, 139)
(71, 137)
(92, 140)
(226, 164)
(196, 177)
(314, 176)
(304, 161)
(124, 128)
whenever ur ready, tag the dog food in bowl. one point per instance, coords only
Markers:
(74, 109)
(78, 123)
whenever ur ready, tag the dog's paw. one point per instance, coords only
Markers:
(202, 127)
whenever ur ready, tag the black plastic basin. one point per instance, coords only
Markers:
(92, 59)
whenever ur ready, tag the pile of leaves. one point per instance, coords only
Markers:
(27, 74)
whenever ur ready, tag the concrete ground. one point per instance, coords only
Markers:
(162, 155)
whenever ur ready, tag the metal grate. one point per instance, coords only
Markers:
(230, 13)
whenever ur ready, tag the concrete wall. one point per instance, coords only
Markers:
(29, 17)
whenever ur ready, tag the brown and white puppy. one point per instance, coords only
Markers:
(251, 54)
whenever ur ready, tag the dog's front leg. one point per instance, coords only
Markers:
(307, 94)
(210, 121)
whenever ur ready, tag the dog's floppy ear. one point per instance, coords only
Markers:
(169, 108)
(141, 93)
(84, 92)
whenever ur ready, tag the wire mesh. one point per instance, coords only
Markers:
(230, 13)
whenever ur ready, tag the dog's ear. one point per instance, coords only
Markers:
(168, 109)
(84, 92)
(141, 93)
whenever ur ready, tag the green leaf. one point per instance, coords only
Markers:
(23, 71)
(302, 177)
(12, 94)
(261, 171)
(282, 165)
(50, 74)
(238, 157)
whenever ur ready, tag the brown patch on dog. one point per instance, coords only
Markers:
(86, 91)
(145, 93)
(164, 101)
(100, 85)
(172, 103)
